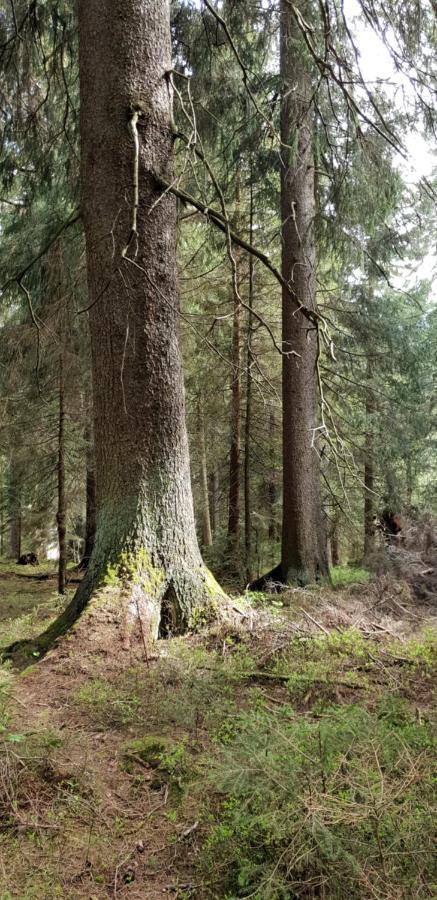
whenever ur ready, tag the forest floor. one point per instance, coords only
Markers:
(288, 756)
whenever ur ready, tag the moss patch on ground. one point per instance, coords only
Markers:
(28, 602)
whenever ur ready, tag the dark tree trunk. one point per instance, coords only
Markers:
(272, 492)
(61, 516)
(409, 482)
(304, 554)
(90, 489)
(206, 520)
(248, 420)
(14, 508)
(335, 546)
(369, 504)
(235, 445)
(145, 544)
(214, 487)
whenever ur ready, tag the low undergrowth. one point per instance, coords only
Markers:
(263, 761)
(342, 576)
(337, 806)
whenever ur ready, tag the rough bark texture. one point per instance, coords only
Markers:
(303, 552)
(146, 545)
(90, 490)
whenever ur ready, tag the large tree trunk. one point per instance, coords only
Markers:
(303, 550)
(145, 545)
(90, 490)
(304, 547)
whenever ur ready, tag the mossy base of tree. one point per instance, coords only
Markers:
(147, 601)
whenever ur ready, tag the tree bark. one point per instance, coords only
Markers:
(303, 552)
(145, 545)
(90, 490)
(335, 545)
(248, 420)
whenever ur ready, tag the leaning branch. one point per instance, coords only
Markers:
(214, 216)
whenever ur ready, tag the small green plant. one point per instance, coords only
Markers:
(110, 704)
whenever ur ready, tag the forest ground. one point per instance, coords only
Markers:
(288, 756)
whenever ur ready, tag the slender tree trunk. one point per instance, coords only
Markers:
(206, 521)
(248, 420)
(335, 546)
(145, 545)
(369, 504)
(409, 482)
(271, 483)
(214, 487)
(61, 516)
(303, 547)
(90, 489)
(235, 448)
(14, 508)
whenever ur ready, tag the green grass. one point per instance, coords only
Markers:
(26, 604)
(343, 576)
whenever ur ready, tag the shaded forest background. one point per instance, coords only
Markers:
(374, 225)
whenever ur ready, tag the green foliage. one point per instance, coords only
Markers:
(166, 756)
(110, 705)
(343, 802)
(342, 576)
(421, 650)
